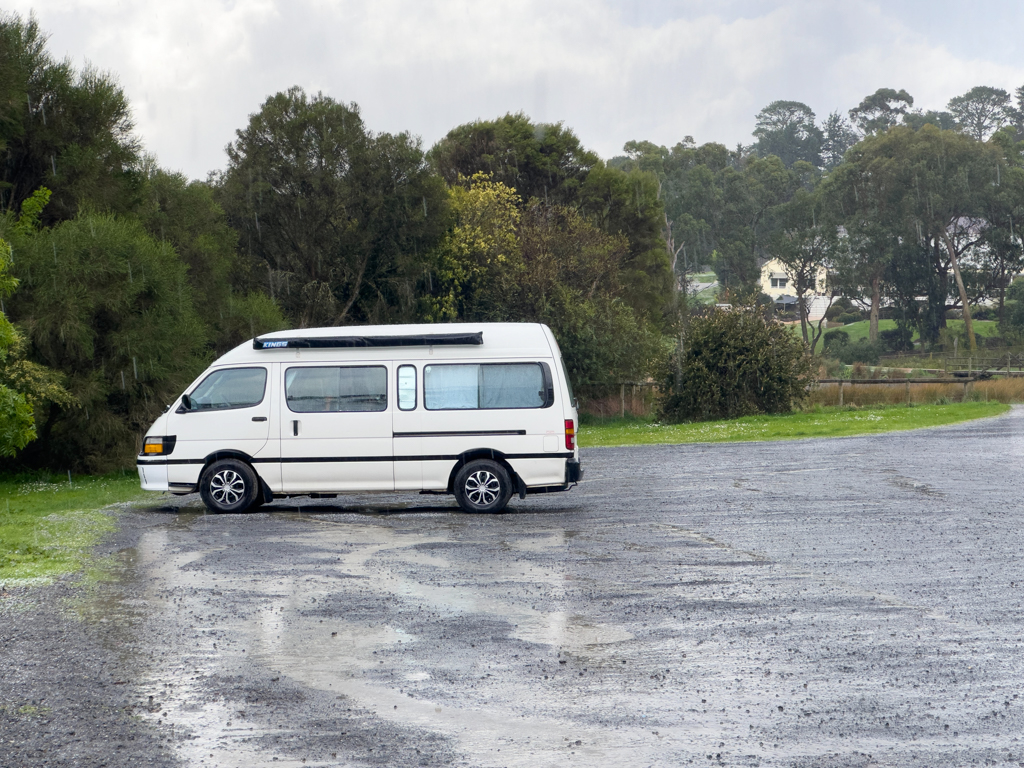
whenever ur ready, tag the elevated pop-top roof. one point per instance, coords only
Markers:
(398, 341)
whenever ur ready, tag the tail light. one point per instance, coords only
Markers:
(570, 435)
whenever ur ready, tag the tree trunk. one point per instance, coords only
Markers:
(876, 300)
(963, 291)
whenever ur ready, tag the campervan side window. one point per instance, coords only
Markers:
(231, 388)
(335, 388)
(487, 386)
(407, 387)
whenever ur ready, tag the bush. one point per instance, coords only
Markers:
(736, 363)
(1015, 292)
(835, 340)
(834, 311)
(897, 339)
(861, 352)
(849, 317)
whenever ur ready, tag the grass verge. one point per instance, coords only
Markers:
(820, 422)
(48, 525)
(861, 328)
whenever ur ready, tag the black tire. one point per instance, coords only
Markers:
(229, 485)
(483, 486)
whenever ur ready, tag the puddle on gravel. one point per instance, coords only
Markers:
(487, 707)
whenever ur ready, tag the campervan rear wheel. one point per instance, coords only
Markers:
(483, 486)
(229, 485)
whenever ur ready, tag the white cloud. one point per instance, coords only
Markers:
(196, 69)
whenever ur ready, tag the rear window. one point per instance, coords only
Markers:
(329, 389)
(487, 386)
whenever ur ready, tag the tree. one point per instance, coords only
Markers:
(109, 308)
(981, 111)
(478, 260)
(881, 110)
(837, 137)
(787, 130)
(184, 214)
(538, 160)
(70, 131)
(807, 243)
(917, 120)
(17, 426)
(543, 263)
(717, 205)
(627, 204)
(927, 198)
(335, 218)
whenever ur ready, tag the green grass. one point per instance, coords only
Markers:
(860, 329)
(821, 422)
(48, 526)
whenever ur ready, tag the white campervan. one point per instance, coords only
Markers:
(479, 410)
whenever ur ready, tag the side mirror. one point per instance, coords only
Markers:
(186, 402)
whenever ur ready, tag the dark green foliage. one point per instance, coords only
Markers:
(881, 110)
(1015, 292)
(185, 215)
(333, 219)
(104, 304)
(835, 340)
(849, 317)
(833, 312)
(898, 339)
(68, 130)
(539, 160)
(862, 351)
(736, 363)
(626, 204)
(786, 129)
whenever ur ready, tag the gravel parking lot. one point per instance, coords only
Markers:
(849, 602)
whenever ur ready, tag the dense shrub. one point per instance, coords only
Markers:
(735, 363)
(849, 317)
(835, 340)
(863, 351)
(834, 311)
(897, 339)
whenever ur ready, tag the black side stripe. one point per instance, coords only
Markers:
(461, 434)
(353, 459)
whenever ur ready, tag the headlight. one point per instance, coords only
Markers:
(158, 446)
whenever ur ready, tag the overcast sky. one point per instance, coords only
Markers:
(612, 70)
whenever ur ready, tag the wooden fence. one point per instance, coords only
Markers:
(1008, 363)
(964, 381)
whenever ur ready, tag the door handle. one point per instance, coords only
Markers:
(259, 418)
(295, 427)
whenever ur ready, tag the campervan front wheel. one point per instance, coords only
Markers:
(229, 485)
(483, 486)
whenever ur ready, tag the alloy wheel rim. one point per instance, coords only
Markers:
(227, 487)
(482, 488)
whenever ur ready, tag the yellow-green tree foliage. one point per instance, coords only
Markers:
(501, 261)
(479, 258)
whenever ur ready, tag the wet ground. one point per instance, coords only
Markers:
(851, 602)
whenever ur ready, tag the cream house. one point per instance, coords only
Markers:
(780, 285)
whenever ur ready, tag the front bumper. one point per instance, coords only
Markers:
(153, 476)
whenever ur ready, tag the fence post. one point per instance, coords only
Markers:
(622, 395)
(908, 391)
(840, 394)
